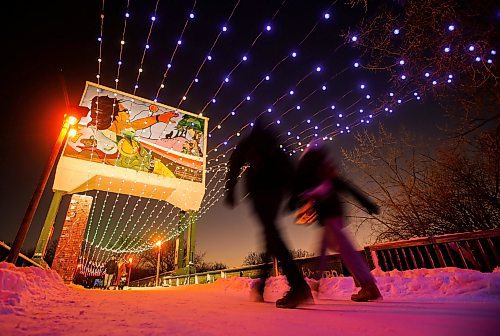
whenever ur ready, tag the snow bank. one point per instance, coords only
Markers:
(443, 284)
(18, 284)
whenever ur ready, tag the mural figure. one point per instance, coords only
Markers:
(114, 134)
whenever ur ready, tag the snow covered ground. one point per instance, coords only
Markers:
(421, 302)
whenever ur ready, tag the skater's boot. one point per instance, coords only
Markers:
(257, 291)
(295, 297)
(368, 292)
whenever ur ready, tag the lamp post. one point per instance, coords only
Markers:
(37, 195)
(129, 271)
(158, 243)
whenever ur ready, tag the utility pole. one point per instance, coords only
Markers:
(37, 195)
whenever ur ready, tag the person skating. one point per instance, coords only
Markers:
(268, 177)
(317, 180)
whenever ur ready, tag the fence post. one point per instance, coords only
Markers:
(375, 261)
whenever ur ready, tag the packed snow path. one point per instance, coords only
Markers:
(224, 308)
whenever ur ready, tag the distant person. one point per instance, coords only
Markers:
(268, 176)
(110, 272)
(121, 278)
(318, 181)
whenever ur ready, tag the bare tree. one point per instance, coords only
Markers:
(423, 192)
(447, 52)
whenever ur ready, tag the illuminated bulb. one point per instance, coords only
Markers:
(450, 76)
(209, 57)
(269, 110)
(294, 54)
(318, 69)
(415, 94)
(213, 100)
(396, 31)
(267, 78)
(361, 110)
(471, 48)
(99, 39)
(291, 92)
(97, 76)
(278, 122)
(116, 80)
(368, 96)
(418, 98)
(403, 76)
(323, 87)
(226, 79)
(449, 80)
(268, 27)
(489, 61)
(451, 27)
(391, 94)
(478, 59)
(332, 107)
(288, 133)
(340, 115)
(136, 86)
(493, 52)
(179, 42)
(244, 58)
(224, 28)
(184, 98)
(427, 74)
(308, 121)
(218, 127)
(362, 86)
(356, 64)
(122, 42)
(354, 38)
(196, 80)
(248, 97)
(153, 18)
(127, 15)
(162, 86)
(327, 16)
(191, 16)
(447, 49)
(434, 82)
(119, 62)
(140, 69)
(399, 101)
(402, 62)
(298, 107)
(99, 60)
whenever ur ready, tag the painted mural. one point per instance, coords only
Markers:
(131, 132)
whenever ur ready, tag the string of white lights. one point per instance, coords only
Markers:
(146, 47)
(209, 53)
(170, 63)
(122, 44)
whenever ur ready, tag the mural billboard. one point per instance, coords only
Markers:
(129, 144)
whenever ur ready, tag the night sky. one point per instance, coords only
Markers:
(54, 39)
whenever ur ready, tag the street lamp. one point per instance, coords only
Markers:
(158, 243)
(129, 271)
(69, 120)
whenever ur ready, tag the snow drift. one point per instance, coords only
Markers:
(23, 284)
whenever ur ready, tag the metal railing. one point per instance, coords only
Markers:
(25, 260)
(471, 250)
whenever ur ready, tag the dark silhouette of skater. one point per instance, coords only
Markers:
(317, 180)
(268, 178)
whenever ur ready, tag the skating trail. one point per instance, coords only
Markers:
(223, 308)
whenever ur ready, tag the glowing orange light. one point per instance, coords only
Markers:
(79, 265)
(72, 132)
(130, 260)
(153, 108)
(72, 120)
(158, 243)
